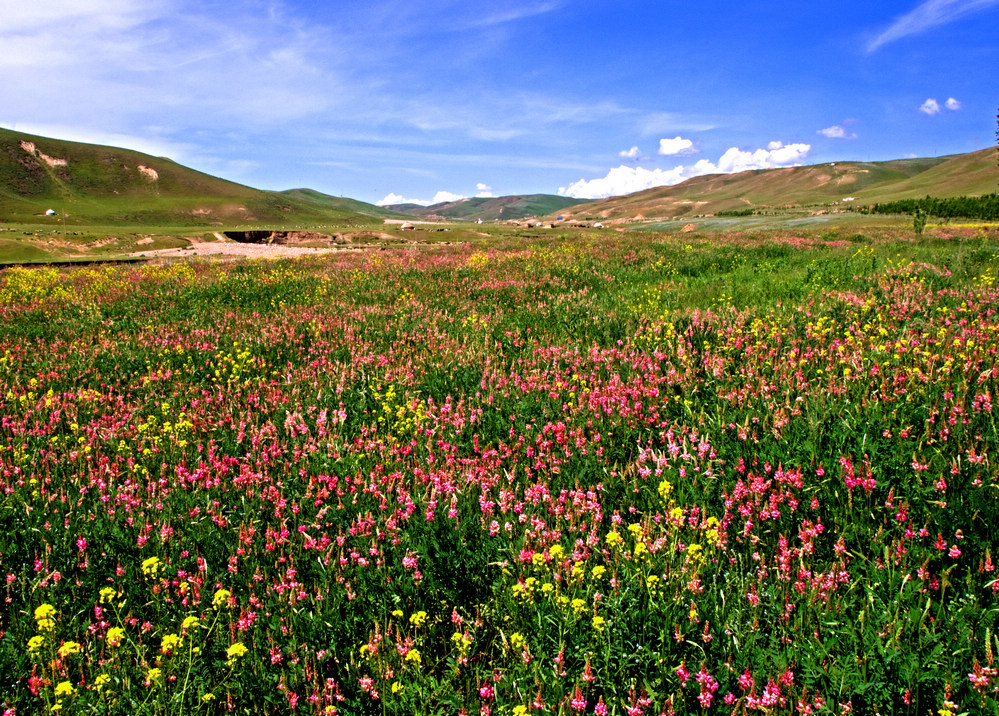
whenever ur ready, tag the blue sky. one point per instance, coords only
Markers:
(402, 100)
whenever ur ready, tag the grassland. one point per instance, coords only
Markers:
(530, 472)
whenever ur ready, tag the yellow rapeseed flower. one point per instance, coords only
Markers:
(170, 642)
(44, 616)
(115, 636)
(151, 566)
(418, 619)
(70, 647)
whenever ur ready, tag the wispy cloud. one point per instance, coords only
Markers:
(928, 15)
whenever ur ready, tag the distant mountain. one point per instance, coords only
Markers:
(490, 209)
(818, 187)
(92, 184)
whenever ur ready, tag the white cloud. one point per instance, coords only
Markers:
(485, 191)
(394, 198)
(623, 180)
(836, 132)
(677, 145)
(626, 180)
(930, 106)
(443, 196)
(927, 15)
(777, 154)
(952, 104)
(633, 154)
(439, 198)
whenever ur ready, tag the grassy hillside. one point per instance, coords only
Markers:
(87, 184)
(492, 209)
(817, 187)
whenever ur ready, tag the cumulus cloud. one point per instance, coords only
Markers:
(952, 104)
(633, 154)
(393, 198)
(439, 198)
(443, 196)
(485, 191)
(836, 132)
(626, 180)
(676, 146)
(777, 154)
(930, 106)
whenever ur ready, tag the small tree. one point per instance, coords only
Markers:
(919, 220)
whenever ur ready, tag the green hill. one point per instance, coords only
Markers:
(819, 187)
(491, 209)
(86, 184)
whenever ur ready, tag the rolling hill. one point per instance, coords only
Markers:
(819, 187)
(86, 184)
(490, 209)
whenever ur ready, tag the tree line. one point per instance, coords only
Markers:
(964, 207)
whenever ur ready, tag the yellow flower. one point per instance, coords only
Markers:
(547, 588)
(221, 598)
(517, 640)
(413, 655)
(397, 687)
(598, 623)
(556, 551)
(170, 642)
(153, 675)
(35, 643)
(397, 613)
(519, 710)
(101, 681)
(107, 594)
(578, 605)
(665, 488)
(597, 572)
(418, 619)
(236, 651)
(70, 647)
(151, 566)
(65, 688)
(44, 616)
(189, 622)
(538, 559)
(613, 538)
(208, 697)
(115, 635)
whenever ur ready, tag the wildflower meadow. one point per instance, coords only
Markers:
(616, 474)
